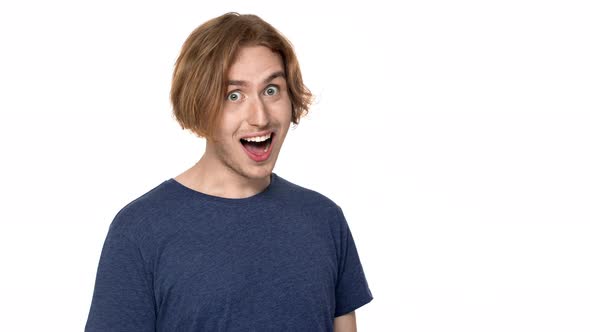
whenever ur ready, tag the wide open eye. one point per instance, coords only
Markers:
(234, 96)
(271, 90)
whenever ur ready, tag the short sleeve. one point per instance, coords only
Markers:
(123, 298)
(352, 289)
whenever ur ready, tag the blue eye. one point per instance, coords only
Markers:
(271, 90)
(234, 96)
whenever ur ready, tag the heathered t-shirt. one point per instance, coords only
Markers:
(175, 259)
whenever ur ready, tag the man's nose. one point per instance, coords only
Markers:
(258, 112)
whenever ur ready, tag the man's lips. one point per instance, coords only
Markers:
(268, 141)
(259, 151)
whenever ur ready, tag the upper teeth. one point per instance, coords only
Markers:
(257, 138)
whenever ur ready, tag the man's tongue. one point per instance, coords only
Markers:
(257, 148)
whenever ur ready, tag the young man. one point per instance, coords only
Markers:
(228, 245)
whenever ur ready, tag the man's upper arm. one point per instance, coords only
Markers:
(123, 298)
(345, 323)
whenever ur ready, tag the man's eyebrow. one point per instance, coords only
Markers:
(266, 80)
(275, 75)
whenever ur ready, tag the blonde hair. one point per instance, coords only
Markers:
(200, 74)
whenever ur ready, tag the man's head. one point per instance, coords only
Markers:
(237, 83)
(200, 76)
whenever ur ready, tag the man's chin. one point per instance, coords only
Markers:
(260, 175)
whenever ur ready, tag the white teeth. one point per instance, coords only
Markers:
(257, 138)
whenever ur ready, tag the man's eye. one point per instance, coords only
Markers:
(271, 90)
(234, 96)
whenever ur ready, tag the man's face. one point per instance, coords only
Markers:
(256, 106)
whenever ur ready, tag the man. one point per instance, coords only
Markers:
(228, 245)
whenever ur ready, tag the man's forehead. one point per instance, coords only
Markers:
(254, 64)
(269, 78)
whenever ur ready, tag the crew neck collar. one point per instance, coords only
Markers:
(201, 195)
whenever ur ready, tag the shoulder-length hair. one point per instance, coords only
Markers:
(200, 74)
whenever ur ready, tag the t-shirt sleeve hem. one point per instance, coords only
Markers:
(354, 306)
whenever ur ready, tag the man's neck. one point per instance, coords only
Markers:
(210, 177)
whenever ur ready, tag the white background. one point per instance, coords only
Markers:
(454, 135)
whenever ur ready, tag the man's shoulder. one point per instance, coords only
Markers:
(136, 216)
(304, 196)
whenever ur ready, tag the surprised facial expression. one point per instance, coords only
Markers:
(256, 114)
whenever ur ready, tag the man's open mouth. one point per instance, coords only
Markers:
(258, 145)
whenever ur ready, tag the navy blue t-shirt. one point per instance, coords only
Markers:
(176, 259)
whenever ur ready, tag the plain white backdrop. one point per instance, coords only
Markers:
(455, 135)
